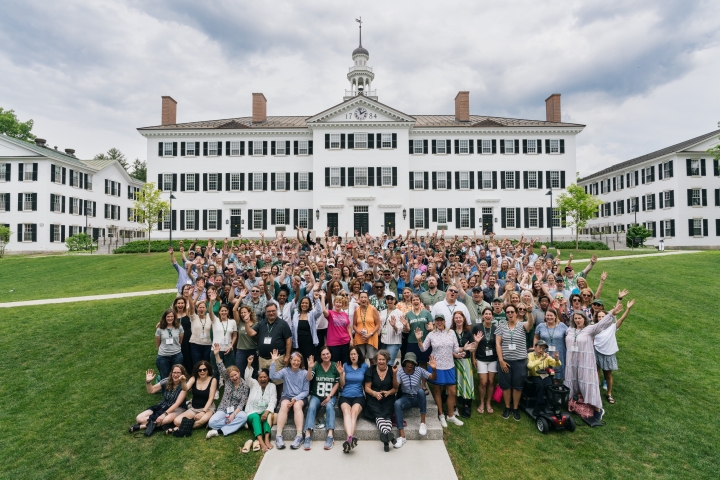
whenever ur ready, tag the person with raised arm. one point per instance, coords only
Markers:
(511, 347)
(606, 347)
(203, 387)
(260, 406)
(325, 381)
(173, 390)
(339, 336)
(294, 394)
(230, 415)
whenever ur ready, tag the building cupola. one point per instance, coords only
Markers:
(360, 75)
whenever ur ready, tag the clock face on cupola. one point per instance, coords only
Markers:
(361, 113)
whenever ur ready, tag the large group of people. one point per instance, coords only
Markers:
(372, 325)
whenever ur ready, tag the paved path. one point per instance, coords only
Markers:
(625, 257)
(416, 459)
(111, 296)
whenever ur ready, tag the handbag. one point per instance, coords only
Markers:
(497, 394)
(150, 428)
(185, 429)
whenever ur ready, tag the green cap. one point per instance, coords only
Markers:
(597, 301)
(497, 300)
(439, 315)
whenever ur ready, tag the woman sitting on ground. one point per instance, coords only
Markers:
(324, 378)
(173, 395)
(260, 405)
(203, 387)
(230, 415)
(295, 391)
(352, 398)
(380, 387)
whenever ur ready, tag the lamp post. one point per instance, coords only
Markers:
(551, 220)
(172, 197)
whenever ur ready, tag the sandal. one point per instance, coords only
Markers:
(170, 431)
(256, 446)
(134, 428)
(481, 409)
(247, 446)
(610, 399)
(490, 410)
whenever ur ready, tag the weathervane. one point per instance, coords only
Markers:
(359, 20)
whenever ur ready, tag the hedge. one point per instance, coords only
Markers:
(582, 245)
(141, 246)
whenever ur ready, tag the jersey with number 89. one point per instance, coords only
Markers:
(323, 382)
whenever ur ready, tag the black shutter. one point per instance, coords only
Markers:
(227, 148)
(205, 182)
(412, 183)
(219, 219)
(52, 201)
(250, 147)
(378, 180)
(20, 231)
(394, 176)
(702, 167)
(527, 217)
(503, 217)
(562, 179)
(448, 212)
(34, 202)
(517, 146)
(327, 176)
(502, 146)
(371, 140)
(457, 180)
(272, 216)
(182, 219)
(494, 180)
(205, 149)
(472, 217)
(457, 147)
(310, 219)
(689, 197)
(538, 145)
(351, 177)
(197, 182)
(672, 198)
(378, 139)
(174, 182)
(371, 177)
(264, 147)
(525, 179)
(34, 231)
(173, 219)
(494, 146)
(660, 172)
(434, 146)
(412, 218)
(425, 180)
(471, 176)
(517, 217)
(310, 147)
(52, 173)
(7, 203)
(272, 182)
(716, 168)
(471, 146)
(7, 173)
(562, 146)
(410, 147)
(342, 140)
(174, 149)
(327, 140)
(264, 219)
(434, 180)
(264, 189)
(287, 147)
(351, 141)
(549, 183)
(540, 218)
(227, 182)
(250, 182)
(434, 214)
(62, 204)
(691, 227)
(425, 147)
(524, 147)
(547, 146)
(394, 140)
(160, 149)
(704, 197)
(717, 197)
(540, 180)
(272, 147)
(705, 227)
(643, 203)
(426, 219)
(660, 197)
(295, 147)
(107, 184)
(342, 176)
(502, 180)
(287, 181)
(287, 216)
(448, 146)
(457, 218)
(205, 215)
(662, 228)
(636, 177)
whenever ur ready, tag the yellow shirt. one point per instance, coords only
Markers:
(536, 363)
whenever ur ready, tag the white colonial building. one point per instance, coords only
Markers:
(47, 195)
(361, 165)
(673, 192)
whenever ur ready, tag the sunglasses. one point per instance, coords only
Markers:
(522, 310)
(510, 313)
(452, 291)
(202, 369)
(254, 291)
(586, 295)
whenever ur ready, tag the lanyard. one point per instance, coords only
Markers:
(409, 379)
(551, 334)
(169, 332)
(362, 317)
(512, 332)
(225, 327)
(452, 311)
(270, 329)
(488, 337)
(577, 332)
(203, 323)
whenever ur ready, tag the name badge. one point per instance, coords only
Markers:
(168, 341)
(511, 347)
(574, 348)
(267, 341)
(384, 331)
(551, 348)
(230, 410)
(202, 335)
(224, 341)
(488, 353)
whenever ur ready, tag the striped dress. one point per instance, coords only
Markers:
(580, 370)
(463, 368)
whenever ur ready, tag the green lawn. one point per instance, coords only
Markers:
(58, 276)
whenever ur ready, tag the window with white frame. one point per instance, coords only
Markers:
(361, 176)
(361, 140)
(303, 217)
(234, 148)
(302, 147)
(509, 146)
(280, 147)
(212, 220)
(190, 182)
(487, 210)
(28, 172)
(533, 217)
(58, 174)
(257, 179)
(440, 147)
(510, 217)
(418, 218)
(649, 202)
(556, 219)
(235, 182)
(257, 147)
(464, 218)
(442, 216)
(697, 227)
(510, 179)
(386, 176)
(303, 181)
(167, 149)
(27, 204)
(190, 149)
(554, 146)
(464, 146)
(167, 223)
(487, 146)
(417, 146)
(334, 140)
(554, 179)
(696, 197)
(442, 180)
(279, 216)
(532, 179)
(213, 148)
(666, 170)
(212, 182)
(280, 181)
(167, 182)
(88, 182)
(532, 146)
(669, 227)
(649, 177)
(666, 199)
(56, 233)
(386, 140)
(73, 230)
(419, 180)
(57, 202)
(3, 205)
(3, 174)
(335, 180)
(27, 232)
(486, 179)
(694, 168)
(257, 223)
(464, 180)
(190, 220)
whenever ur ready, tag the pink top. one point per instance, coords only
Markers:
(337, 333)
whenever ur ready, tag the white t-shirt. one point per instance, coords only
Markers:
(448, 310)
(605, 341)
(389, 336)
(222, 332)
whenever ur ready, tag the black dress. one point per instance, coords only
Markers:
(185, 345)
(379, 408)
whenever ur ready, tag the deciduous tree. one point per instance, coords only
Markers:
(149, 208)
(580, 206)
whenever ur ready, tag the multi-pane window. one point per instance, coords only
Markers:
(27, 232)
(533, 217)
(257, 181)
(697, 227)
(361, 140)
(88, 182)
(442, 180)
(532, 178)
(417, 146)
(280, 148)
(669, 227)
(28, 172)
(190, 149)
(234, 148)
(649, 202)
(57, 203)
(212, 220)
(554, 146)
(509, 146)
(304, 183)
(167, 182)
(257, 222)
(167, 223)
(257, 148)
(213, 148)
(694, 168)
(486, 179)
(303, 218)
(532, 146)
(334, 140)
(554, 179)
(666, 199)
(361, 176)
(167, 149)
(418, 218)
(56, 233)
(58, 174)
(696, 197)
(464, 146)
(510, 217)
(212, 182)
(280, 181)
(190, 182)
(631, 180)
(302, 147)
(509, 179)
(386, 140)
(649, 177)
(235, 182)
(279, 216)
(442, 215)
(667, 172)
(440, 146)
(386, 177)
(464, 218)
(335, 176)
(464, 180)
(3, 174)
(190, 220)
(556, 220)
(27, 204)
(418, 180)
(487, 146)
(3, 205)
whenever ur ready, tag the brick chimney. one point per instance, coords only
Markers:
(462, 107)
(259, 108)
(552, 108)
(169, 111)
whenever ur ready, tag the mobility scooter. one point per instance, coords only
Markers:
(554, 414)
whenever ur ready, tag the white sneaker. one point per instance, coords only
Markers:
(211, 433)
(455, 420)
(423, 429)
(442, 421)
(400, 442)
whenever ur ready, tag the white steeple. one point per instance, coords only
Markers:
(360, 75)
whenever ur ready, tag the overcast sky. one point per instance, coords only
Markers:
(641, 75)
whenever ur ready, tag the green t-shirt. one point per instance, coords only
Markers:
(500, 317)
(418, 321)
(244, 342)
(323, 382)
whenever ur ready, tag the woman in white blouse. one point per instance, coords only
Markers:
(391, 326)
(201, 325)
(260, 406)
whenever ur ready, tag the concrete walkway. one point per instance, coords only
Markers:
(416, 459)
(111, 296)
(625, 257)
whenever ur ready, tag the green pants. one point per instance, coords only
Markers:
(258, 426)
